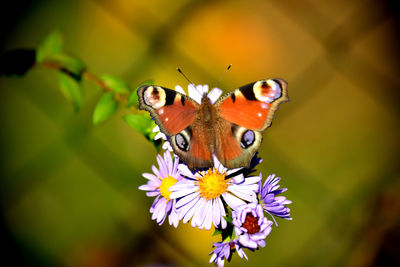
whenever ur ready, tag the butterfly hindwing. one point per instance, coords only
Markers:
(193, 147)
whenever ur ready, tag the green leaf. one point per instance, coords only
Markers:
(106, 106)
(52, 44)
(70, 65)
(115, 84)
(144, 125)
(133, 97)
(141, 123)
(217, 232)
(228, 217)
(71, 90)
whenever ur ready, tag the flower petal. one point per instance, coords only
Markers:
(214, 94)
(232, 201)
(180, 90)
(194, 93)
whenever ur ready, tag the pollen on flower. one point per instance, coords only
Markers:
(213, 184)
(166, 183)
(251, 224)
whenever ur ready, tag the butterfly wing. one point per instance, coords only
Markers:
(249, 111)
(192, 145)
(172, 111)
(177, 116)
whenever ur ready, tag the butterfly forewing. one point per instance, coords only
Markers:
(172, 111)
(252, 106)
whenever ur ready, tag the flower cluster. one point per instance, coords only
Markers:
(234, 201)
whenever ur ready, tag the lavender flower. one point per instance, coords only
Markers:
(223, 251)
(272, 204)
(200, 195)
(158, 185)
(251, 227)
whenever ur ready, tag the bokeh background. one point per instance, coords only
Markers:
(69, 192)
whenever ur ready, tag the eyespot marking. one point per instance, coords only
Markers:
(267, 90)
(154, 97)
(247, 139)
(182, 142)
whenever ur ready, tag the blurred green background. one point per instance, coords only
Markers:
(69, 192)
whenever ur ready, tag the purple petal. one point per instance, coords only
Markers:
(185, 171)
(201, 212)
(150, 176)
(209, 215)
(181, 193)
(216, 213)
(186, 212)
(155, 171)
(232, 201)
(186, 199)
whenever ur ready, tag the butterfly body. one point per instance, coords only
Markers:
(231, 128)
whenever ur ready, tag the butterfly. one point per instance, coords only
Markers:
(231, 128)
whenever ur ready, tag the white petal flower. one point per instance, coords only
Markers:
(199, 195)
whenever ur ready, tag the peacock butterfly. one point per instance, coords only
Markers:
(231, 128)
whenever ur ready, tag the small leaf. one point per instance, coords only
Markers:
(115, 84)
(104, 108)
(17, 62)
(51, 45)
(71, 90)
(70, 65)
(140, 122)
(144, 125)
(228, 218)
(133, 97)
(216, 232)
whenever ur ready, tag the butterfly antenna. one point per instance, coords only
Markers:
(223, 75)
(183, 74)
(187, 79)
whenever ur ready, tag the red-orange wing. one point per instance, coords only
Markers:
(252, 106)
(227, 147)
(172, 111)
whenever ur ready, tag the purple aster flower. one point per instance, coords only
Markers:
(224, 250)
(251, 227)
(158, 186)
(199, 196)
(272, 204)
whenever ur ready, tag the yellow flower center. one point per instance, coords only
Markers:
(212, 184)
(166, 183)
